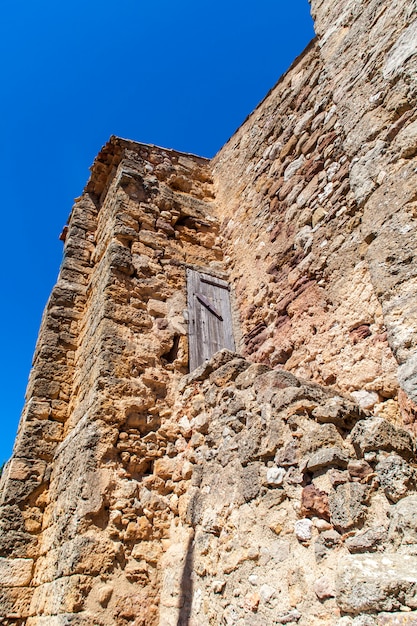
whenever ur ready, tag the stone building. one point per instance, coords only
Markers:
(275, 483)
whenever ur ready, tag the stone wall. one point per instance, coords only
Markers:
(380, 126)
(112, 345)
(288, 212)
(254, 490)
(300, 507)
(316, 194)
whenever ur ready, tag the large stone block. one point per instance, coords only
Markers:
(61, 596)
(15, 603)
(378, 434)
(347, 505)
(15, 572)
(375, 583)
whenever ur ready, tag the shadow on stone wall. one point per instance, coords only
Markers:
(187, 585)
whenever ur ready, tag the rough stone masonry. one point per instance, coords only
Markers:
(272, 485)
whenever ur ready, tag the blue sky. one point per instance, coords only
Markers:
(182, 75)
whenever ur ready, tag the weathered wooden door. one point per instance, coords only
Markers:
(209, 317)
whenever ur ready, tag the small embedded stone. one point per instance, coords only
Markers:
(287, 456)
(275, 475)
(326, 542)
(157, 308)
(267, 592)
(314, 503)
(338, 411)
(218, 586)
(251, 602)
(322, 524)
(358, 334)
(359, 468)
(163, 225)
(324, 588)
(338, 477)
(318, 215)
(289, 617)
(104, 594)
(302, 529)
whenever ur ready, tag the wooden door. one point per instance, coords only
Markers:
(209, 317)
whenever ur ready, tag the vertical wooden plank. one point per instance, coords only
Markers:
(192, 320)
(208, 332)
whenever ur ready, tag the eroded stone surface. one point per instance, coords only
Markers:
(377, 583)
(139, 493)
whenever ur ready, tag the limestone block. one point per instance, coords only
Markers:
(406, 141)
(327, 457)
(401, 51)
(15, 602)
(376, 583)
(396, 477)
(152, 239)
(44, 388)
(402, 528)
(15, 572)
(293, 167)
(369, 540)
(24, 478)
(37, 410)
(157, 308)
(338, 411)
(364, 172)
(61, 596)
(365, 399)
(347, 505)
(23, 469)
(39, 439)
(120, 258)
(378, 434)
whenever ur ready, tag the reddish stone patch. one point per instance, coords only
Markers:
(314, 503)
(408, 410)
(360, 333)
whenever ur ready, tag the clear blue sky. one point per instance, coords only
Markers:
(182, 75)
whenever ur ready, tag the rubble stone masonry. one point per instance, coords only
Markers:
(274, 485)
